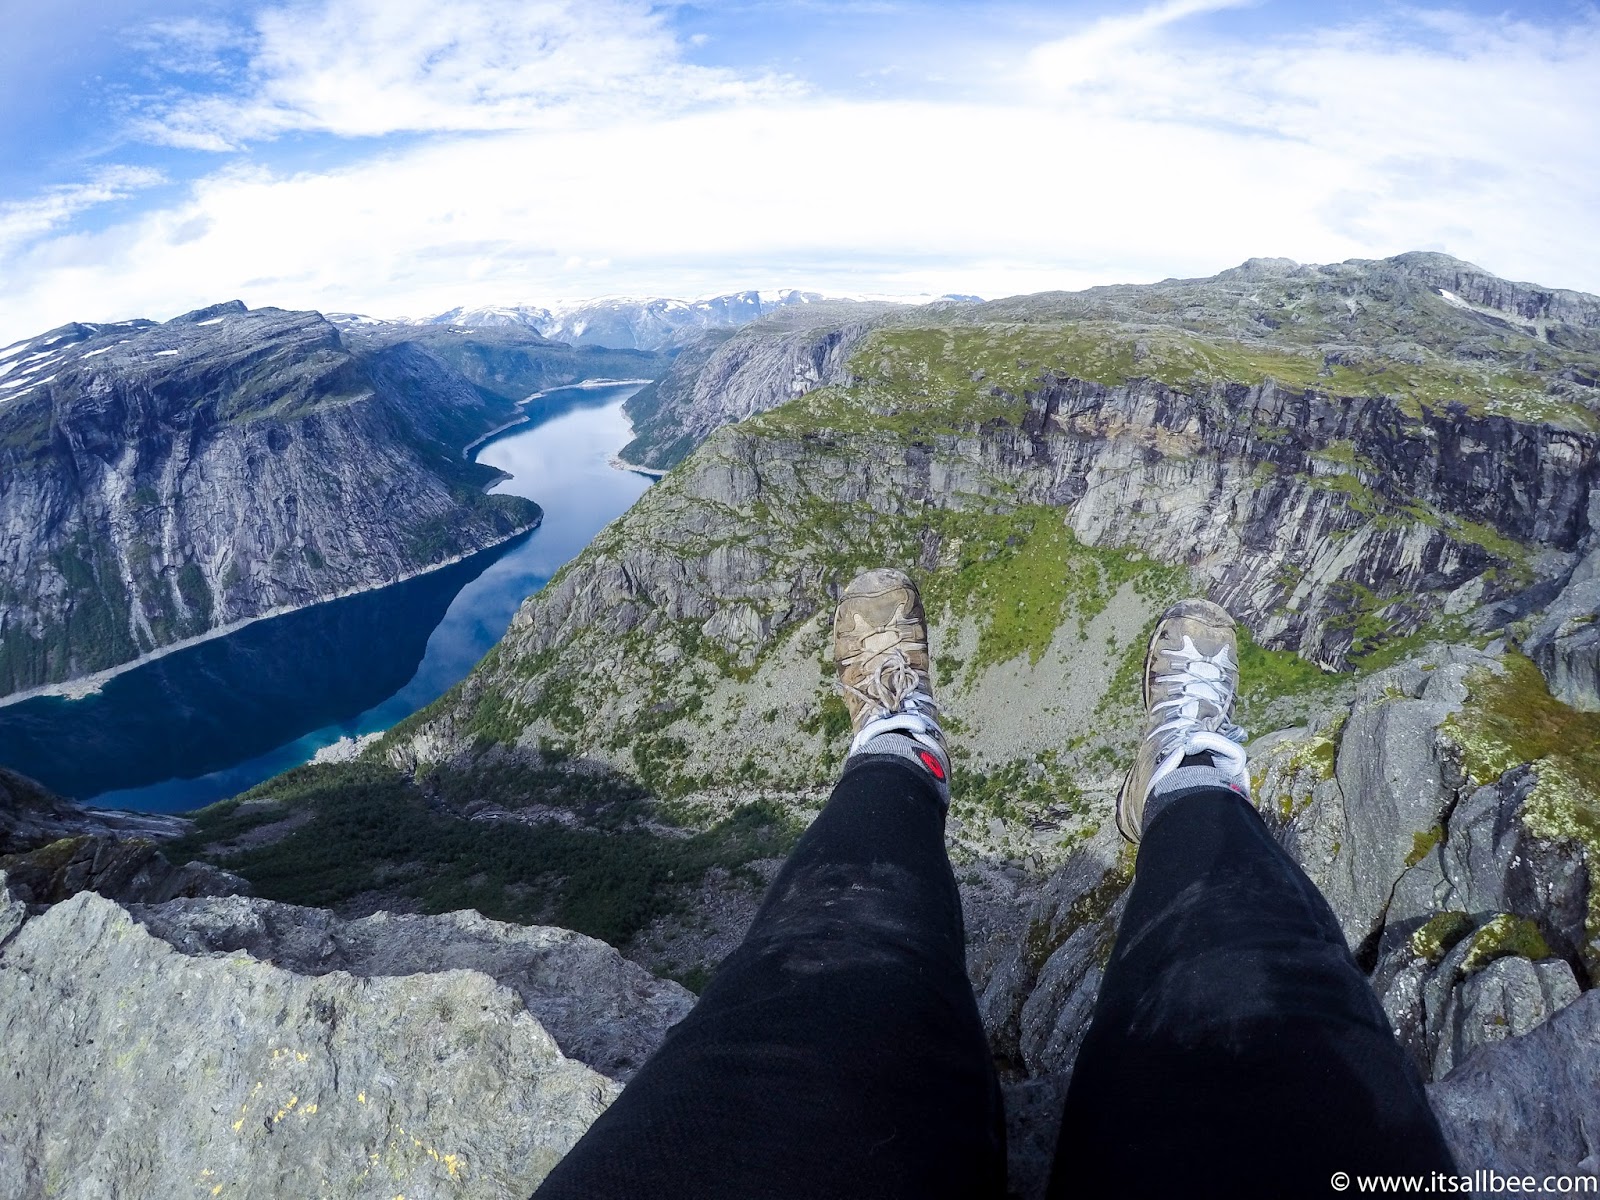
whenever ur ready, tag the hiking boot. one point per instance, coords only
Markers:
(880, 647)
(1191, 678)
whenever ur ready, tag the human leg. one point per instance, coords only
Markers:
(838, 1051)
(1236, 1047)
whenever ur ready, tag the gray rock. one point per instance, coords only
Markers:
(1056, 1015)
(134, 1069)
(1395, 779)
(129, 871)
(1489, 862)
(602, 1009)
(32, 816)
(1565, 641)
(1508, 997)
(1529, 1104)
(728, 376)
(1033, 1122)
(1402, 997)
(1037, 999)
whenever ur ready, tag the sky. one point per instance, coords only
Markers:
(402, 157)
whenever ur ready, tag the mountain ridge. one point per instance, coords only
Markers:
(635, 322)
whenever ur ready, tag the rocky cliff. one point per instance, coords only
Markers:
(193, 1039)
(51, 849)
(244, 1048)
(160, 482)
(1386, 470)
(729, 375)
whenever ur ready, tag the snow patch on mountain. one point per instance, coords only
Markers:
(631, 322)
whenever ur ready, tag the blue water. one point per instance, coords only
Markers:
(214, 719)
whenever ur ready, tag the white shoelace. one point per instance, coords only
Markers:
(1201, 680)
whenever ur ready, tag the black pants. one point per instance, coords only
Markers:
(1236, 1048)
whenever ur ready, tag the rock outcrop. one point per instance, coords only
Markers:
(32, 816)
(600, 1008)
(183, 1064)
(127, 870)
(161, 482)
(51, 849)
(1468, 904)
(1528, 1105)
(1565, 638)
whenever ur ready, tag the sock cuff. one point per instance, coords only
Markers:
(1185, 778)
(900, 746)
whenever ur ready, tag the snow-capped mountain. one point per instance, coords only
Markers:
(630, 322)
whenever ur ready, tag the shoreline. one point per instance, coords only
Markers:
(466, 451)
(622, 464)
(89, 685)
(583, 384)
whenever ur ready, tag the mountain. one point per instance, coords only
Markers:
(1386, 469)
(633, 323)
(729, 374)
(161, 482)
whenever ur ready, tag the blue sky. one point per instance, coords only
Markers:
(403, 156)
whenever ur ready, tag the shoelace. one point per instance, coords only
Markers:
(894, 684)
(1202, 680)
(903, 705)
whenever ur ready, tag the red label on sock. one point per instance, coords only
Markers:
(932, 763)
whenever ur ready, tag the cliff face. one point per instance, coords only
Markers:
(162, 481)
(1338, 528)
(728, 375)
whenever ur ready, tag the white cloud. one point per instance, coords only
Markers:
(1101, 51)
(364, 68)
(1178, 157)
(25, 220)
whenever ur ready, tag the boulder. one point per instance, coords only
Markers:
(601, 1009)
(1529, 1104)
(134, 1069)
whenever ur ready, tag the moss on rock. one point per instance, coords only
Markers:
(1505, 936)
(1511, 719)
(1433, 940)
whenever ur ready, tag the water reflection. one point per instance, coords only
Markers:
(211, 720)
